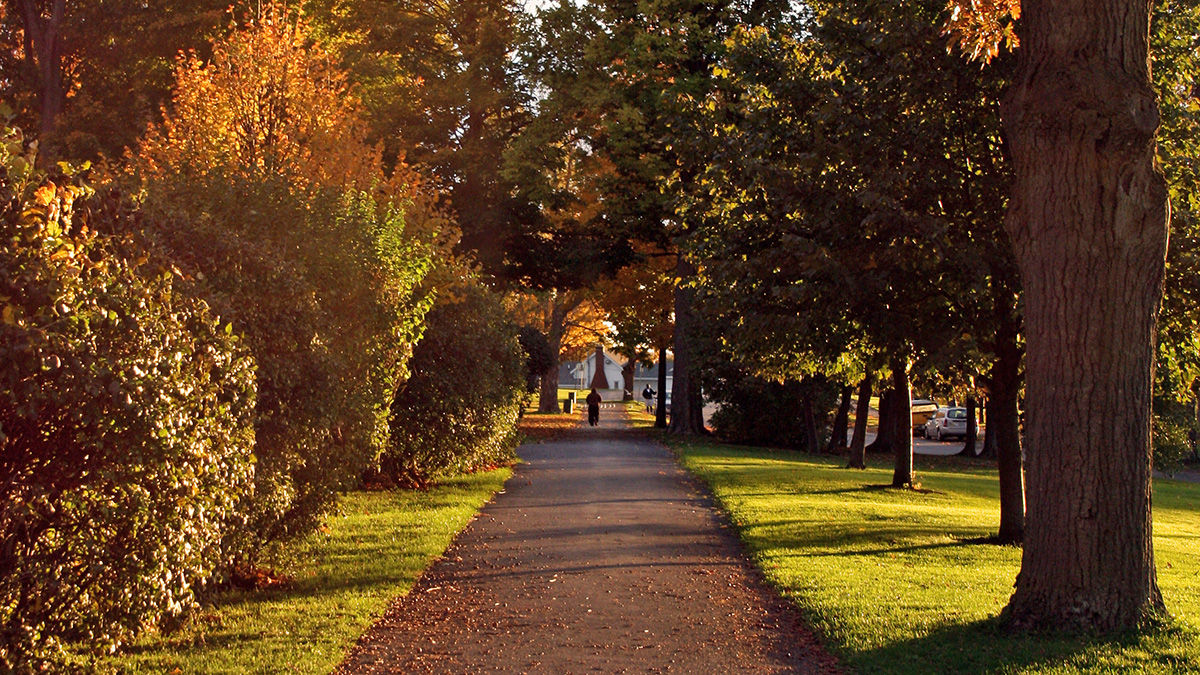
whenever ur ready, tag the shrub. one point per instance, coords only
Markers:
(125, 425)
(756, 411)
(457, 412)
(260, 185)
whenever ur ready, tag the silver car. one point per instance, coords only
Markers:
(947, 422)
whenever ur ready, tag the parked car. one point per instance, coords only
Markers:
(947, 422)
(922, 410)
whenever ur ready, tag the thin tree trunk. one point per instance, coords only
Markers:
(1088, 220)
(812, 443)
(968, 449)
(885, 432)
(841, 422)
(627, 373)
(989, 436)
(660, 410)
(687, 402)
(858, 454)
(902, 443)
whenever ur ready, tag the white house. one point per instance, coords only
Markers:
(608, 376)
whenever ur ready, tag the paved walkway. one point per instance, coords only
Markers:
(600, 556)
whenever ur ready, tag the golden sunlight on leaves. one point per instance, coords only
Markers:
(979, 28)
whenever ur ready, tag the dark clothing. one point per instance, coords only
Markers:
(593, 402)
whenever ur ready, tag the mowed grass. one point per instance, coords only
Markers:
(895, 583)
(370, 554)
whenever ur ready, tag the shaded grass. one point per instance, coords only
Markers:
(370, 554)
(898, 581)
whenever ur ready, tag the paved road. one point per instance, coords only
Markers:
(600, 556)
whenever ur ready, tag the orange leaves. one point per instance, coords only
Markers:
(267, 105)
(980, 27)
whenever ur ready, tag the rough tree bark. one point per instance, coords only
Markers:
(902, 443)
(687, 402)
(858, 453)
(841, 422)
(1088, 220)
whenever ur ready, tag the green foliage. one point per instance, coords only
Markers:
(260, 185)
(126, 430)
(539, 357)
(457, 412)
(344, 578)
(755, 411)
(896, 580)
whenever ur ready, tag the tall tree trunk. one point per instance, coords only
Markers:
(660, 410)
(902, 442)
(1005, 424)
(858, 454)
(841, 422)
(1088, 220)
(968, 449)
(885, 431)
(627, 372)
(687, 402)
(43, 43)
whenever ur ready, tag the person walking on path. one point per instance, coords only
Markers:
(648, 394)
(593, 401)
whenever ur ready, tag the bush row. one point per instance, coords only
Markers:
(197, 361)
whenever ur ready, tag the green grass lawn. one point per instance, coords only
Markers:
(893, 582)
(371, 553)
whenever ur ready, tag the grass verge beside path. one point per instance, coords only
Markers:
(895, 582)
(368, 556)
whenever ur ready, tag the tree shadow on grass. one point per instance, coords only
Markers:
(988, 648)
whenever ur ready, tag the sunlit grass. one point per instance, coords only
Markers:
(372, 553)
(895, 583)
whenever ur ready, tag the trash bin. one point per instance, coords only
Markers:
(569, 404)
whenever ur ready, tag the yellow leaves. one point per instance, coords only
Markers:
(9, 315)
(45, 194)
(981, 27)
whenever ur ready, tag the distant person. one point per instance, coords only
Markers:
(593, 401)
(648, 394)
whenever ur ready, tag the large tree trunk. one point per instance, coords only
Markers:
(1088, 220)
(557, 328)
(902, 442)
(660, 410)
(687, 402)
(627, 372)
(1004, 423)
(858, 453)
(841, 422)
(885, 432)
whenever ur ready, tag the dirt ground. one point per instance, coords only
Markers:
(600, 556)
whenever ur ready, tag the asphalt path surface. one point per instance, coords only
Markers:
(600, 556)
